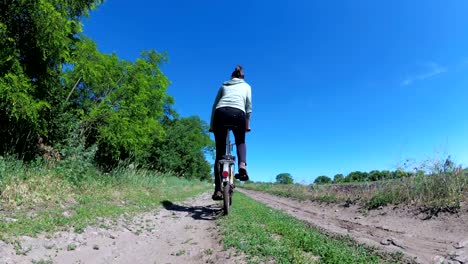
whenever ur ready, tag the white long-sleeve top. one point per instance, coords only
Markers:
(233, 93)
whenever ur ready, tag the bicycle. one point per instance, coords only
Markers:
(227, 172)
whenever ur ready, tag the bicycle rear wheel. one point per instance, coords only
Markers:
(227, 198)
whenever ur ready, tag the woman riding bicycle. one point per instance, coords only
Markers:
(232, 106)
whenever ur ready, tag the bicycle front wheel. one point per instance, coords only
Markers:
(227, 198)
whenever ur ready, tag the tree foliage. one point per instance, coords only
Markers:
(338, 178)
(55, 83)
(323, 180)
(121, 103)
(374, 175)
(36, 37)
(183, 150)
(284, 178)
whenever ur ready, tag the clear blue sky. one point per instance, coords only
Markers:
(337, 86)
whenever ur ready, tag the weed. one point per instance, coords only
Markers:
(397, 256)
(180, 252)
(331, 198)
(17, 247)
(71, 247)
(380, 199)
(42, 261)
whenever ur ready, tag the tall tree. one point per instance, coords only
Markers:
(284, 178)
(375, 175)
(338, 178)
(121, 103)
(184, 148)
(322, 180)
(36, 37)
(356, 176)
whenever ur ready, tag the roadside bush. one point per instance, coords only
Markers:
(77, 161)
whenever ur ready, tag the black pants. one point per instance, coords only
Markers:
(228, 116)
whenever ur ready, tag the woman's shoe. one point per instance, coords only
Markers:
(217, 196)
(242, 176)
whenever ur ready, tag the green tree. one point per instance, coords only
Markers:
(338, 178)
(121, 103)
(386, 174)
(284, 178)
(36, 37)
(183, 149)
(399, 174)
(53, 80)
(323, 180)
(375, 175)
(357, 176)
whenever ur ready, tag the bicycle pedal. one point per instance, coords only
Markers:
(241, 177)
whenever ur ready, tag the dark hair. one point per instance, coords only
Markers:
(238, 72)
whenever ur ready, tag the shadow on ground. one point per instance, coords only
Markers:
(209, 212)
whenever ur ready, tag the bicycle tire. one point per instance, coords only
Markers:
(227, 198)
(231, 187)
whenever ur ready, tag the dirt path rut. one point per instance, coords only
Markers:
(443, 239)
(177, 233)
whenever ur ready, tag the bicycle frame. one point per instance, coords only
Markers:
(227, 163)
(227, 173)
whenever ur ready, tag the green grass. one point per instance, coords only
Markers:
(42, 198)
(266, 234)
(42, 261)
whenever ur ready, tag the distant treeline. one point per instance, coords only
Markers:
(59, 94)
(359, 176)
(376, 175)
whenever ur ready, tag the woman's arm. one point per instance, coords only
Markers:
(248, 108)
(213, 109)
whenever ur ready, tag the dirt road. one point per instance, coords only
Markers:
(186, 233)
(178, 233)
(441, 239)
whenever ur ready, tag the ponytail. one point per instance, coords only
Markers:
(238, 72)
